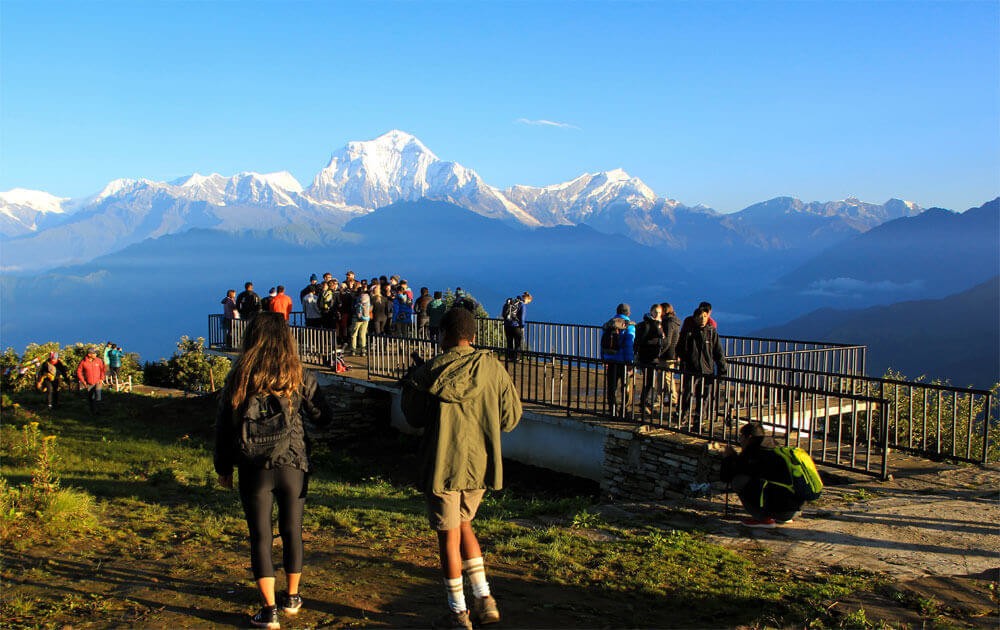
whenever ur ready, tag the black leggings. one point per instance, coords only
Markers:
(258, 489)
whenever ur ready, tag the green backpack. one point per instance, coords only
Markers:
(806, 483)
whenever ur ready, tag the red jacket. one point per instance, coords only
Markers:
(282, 304)
(90, 371)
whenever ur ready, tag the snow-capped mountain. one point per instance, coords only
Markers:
(398, 167)
(365, 176)
(584, 199)
(23, 211)
(253, 189)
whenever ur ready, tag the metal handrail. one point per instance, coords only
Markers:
(842, 430)
(917, 413)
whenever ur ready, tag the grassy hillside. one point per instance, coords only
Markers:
(117, 521)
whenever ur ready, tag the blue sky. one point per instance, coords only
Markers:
(724, 104)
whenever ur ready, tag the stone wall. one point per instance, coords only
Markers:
(358, 407)
(650, 464)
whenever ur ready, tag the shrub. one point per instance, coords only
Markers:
(190, 368)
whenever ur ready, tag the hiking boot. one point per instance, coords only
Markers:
(484, 610)
(291, 605)
(453, 619)
(266, 617)
(767, 523)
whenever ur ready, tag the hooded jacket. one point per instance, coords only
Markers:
(463, 399)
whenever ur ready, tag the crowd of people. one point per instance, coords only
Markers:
(356, 309)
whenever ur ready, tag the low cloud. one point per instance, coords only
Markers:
(545, 123)
(852, 287)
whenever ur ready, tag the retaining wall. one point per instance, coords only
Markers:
(630, 462)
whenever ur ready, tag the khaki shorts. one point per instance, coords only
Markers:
(448, 510)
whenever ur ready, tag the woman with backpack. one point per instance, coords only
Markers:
(260, 431)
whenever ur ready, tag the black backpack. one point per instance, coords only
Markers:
(264, 438)
(510, 311)
(613, 335)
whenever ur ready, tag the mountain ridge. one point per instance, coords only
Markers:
(396, 166)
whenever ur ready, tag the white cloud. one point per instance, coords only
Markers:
(545, 123)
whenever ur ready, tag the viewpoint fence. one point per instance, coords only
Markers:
(847, 418)
(581, 340)
(929, 419)
(837, 429)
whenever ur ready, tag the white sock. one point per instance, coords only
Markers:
(476, 572)
(456, 594)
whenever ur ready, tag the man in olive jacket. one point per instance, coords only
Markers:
(463, 399)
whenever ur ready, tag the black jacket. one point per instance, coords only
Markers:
(649, 340)
(312, 407)
(672, 330)
(760, 463)
(248, 304)
(700, 351)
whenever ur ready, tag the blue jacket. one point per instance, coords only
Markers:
(626, 353)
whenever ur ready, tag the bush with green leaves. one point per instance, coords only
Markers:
(190, 368)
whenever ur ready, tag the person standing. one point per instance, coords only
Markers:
(618, 354)
(248, 302)
(650, 340)
(513, 324)
(312, 286)
(268, 381)
(90, 373)
(423, 318)
(701, 357)
(359, 324)
(435, 311)
(381, 310)
(115, 360)
(672, 331)
(463, 399)
(310, 308)
(49, 373)
(229, 314)
(281, 303)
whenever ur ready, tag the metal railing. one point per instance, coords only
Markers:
(316, 345)
(928, 419)
(840, 429)
(582, 340)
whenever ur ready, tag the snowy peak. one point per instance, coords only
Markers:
(584, 198)
(36, 200)
(241, 189)
(23, 211)
(397, 167)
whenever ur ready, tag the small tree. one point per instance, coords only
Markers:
(190, 368)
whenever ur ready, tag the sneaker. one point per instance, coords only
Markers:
(453, 619)
(484, 610)
(292, 605)
(754, 523)
(266, 617)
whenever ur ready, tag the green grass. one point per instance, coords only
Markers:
(139, 480)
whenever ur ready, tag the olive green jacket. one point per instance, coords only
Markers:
(463, 399)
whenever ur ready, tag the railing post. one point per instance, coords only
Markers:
(986, 427)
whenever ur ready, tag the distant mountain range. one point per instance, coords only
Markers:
(143, 262)
(41, 231)
(956, 338)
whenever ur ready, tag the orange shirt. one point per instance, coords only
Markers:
(281, 303)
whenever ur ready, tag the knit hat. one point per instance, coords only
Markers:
(313, 278)
(272, 292)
